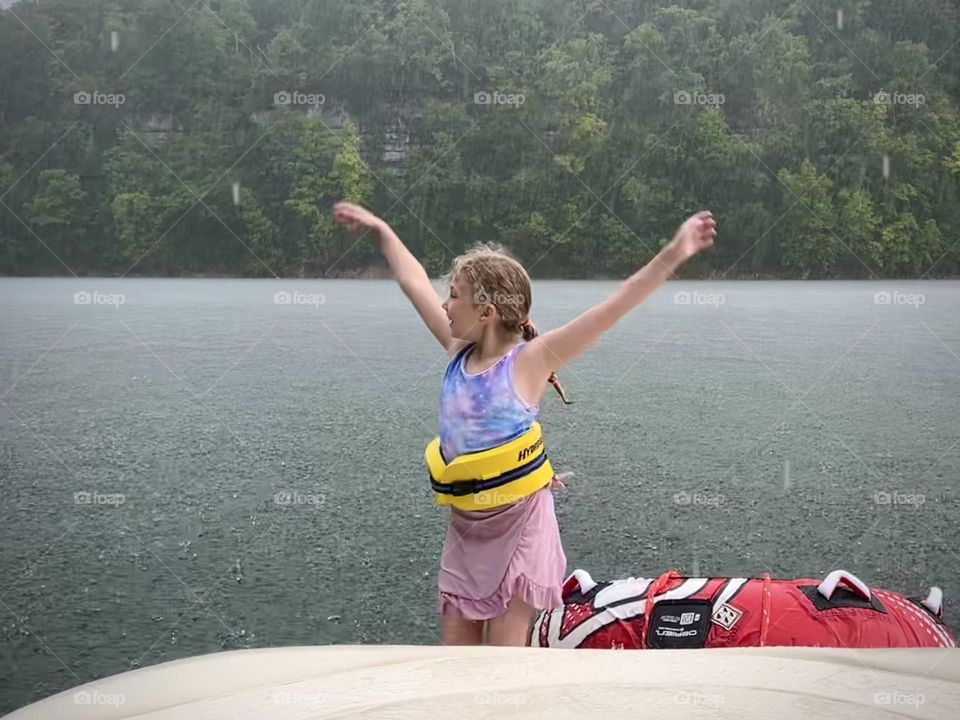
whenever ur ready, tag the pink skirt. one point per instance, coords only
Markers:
(491, 557)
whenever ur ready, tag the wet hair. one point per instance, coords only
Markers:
(497, 278)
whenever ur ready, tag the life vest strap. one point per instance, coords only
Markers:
(470, 487)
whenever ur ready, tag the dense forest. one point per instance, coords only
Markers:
(179, 137)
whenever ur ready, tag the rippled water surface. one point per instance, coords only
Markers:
(147, 427)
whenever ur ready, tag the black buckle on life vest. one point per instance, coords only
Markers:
(471, 487)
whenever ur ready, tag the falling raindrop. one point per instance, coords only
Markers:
(236, 193)
(787, 480)
(886, 167)
(839, 18)
(114, 40)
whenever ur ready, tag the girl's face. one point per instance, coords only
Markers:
(464, 315)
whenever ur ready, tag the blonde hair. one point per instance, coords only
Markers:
(497, 278)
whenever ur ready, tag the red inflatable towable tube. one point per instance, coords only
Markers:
(673, 611)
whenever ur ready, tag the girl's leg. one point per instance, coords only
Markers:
(512, 627)
(460, 631)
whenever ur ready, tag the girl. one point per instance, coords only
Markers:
(502, 559)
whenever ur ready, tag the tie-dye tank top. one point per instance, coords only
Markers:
(481, 411)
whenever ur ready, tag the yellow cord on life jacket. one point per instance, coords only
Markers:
(490, 478)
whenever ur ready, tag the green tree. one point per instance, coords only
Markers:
(58, 214)
(809, 241)
(633, 116)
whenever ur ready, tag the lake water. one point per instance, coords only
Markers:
(147, 427)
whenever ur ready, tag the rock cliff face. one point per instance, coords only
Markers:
(153, 127)
(403, 135)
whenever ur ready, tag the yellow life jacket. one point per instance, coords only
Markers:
(490, 478)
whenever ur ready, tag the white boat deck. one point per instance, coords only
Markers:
(354, 681)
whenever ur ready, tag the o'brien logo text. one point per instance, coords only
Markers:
(291, 497)
(682, 97)
(98, 98)
(714, 300)
(87, 697)
(498, 98)
(899, 298)
(898, 98)
(882, 497)
(97, 498)
(283, 98)
(98, 298)
(298, 298)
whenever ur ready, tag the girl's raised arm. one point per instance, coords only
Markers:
(550, 351)
(407, 270)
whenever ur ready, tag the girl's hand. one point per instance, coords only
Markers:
(356, 219)
(696, 234)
